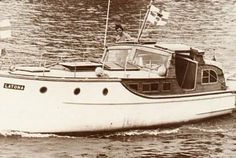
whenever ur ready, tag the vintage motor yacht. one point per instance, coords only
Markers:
(137, 84)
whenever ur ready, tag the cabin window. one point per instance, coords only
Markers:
(119, 56)
(167, 86)
(149, 59)
(146, 87)
(134, 86)
(209, 76)
(154, 86)
(150, 87)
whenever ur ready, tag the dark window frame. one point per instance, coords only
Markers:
(133, 84)
(209, 76)
(169, 86)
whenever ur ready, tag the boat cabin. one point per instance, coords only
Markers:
(163, 68)
(146, 69)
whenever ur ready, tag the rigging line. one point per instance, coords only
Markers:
(140, 19)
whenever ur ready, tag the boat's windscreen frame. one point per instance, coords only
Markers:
(133, 51)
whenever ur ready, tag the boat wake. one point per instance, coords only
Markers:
(132, 133)
(155, 132)
(215, 130)
(30, 135)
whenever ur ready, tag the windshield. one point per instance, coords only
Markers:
(135, 58)
(119, 56)
(149, 59)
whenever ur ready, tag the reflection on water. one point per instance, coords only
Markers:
(75, 28)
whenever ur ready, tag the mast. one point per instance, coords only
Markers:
(107, 18)
(144, 21)
(105, 36)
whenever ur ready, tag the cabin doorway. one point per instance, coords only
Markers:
(186, 72)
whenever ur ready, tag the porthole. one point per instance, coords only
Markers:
(105, 91)
(77, 91)
(43, 89)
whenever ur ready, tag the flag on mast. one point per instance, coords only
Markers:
(157, 16)
(5, 28)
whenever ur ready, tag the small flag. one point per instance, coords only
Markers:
(157, 17)
(5, 28)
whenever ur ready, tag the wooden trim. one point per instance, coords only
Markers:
(174, 95)
(161, 100)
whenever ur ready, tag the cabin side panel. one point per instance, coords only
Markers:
(155, 86)
(210, 78)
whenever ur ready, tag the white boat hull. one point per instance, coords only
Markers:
(59, 110)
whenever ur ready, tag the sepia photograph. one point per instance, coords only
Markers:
(118, 78)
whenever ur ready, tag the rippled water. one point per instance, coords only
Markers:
(52, 29)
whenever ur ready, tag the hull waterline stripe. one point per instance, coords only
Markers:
(230, 109)
(138, 103)
(183, 95)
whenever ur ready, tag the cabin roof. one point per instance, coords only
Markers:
(170, 47)
(175, 47)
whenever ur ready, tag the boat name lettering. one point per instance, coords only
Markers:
(14, 86)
